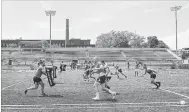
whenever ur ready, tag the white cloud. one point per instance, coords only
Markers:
(46, 5)
(149, 10)
(128, 4)
(183, 40)
(185, 7)
(95, 19)
(40, 24)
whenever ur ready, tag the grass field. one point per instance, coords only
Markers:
(75, 95)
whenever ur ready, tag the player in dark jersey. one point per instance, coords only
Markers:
(118, 70)
(152, 76)
(128, 65)
(62, 66)
(86, 72)
(107, 71)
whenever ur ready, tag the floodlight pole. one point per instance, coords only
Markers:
(50, 31)
(176, 8)
(50, 13)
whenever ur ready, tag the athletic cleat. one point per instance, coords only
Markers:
(25, 91)
(107, 86)
(114, 94)
(117, 93)
(96, 98)
(43, 94)
(159, 84)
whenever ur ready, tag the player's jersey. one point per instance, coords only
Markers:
(87, 66)
(137, 66)
(40, 71)
(101, 70)
(145, 67)
(117, 68)
(150, 71)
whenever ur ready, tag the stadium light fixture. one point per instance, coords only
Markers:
(176, 8)
(50, 13)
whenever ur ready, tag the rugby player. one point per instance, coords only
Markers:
(37, 78)
(118, 70)
(101, 81)
(87, 72)
(152, 76)
(136, 69)
(62, 66)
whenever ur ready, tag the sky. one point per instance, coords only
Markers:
(89, 19)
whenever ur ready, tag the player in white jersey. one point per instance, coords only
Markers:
(101, 81)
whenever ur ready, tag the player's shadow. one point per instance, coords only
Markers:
(52, 96)
(109, 100)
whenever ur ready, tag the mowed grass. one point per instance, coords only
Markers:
(136, 93)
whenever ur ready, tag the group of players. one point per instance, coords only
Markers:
(103, 70)
(97, 67)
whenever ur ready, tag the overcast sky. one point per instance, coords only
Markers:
(27, 19)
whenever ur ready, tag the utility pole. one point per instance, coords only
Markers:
(176, 8)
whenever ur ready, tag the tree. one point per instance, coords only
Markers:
(152, 41)
(138, 42)
(114, 39)
(185, 55)
(161, 44)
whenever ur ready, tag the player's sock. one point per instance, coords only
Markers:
(156, 85)
(114, 94)
(25, 91)
(107, 86)
(97, 96)
(159, 83)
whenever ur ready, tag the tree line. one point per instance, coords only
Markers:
(126, 39)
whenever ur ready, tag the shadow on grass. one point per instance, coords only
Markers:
(108, 99)
(52, 96)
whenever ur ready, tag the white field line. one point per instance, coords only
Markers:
(12, 85)
(176, 87)
(21, 105)
(16, 84)
(171, 92)
(103, 104)
(131, 106)
(175, 93)
(97, 104)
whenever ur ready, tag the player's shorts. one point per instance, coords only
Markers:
(36, 80)
(153, 76)
(102, 79)
(108, 78)
(87, 72)
(120, 70)
(136, 70)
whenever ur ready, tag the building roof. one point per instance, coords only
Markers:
(30, 42)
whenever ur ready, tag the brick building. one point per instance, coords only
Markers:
(54, 43)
